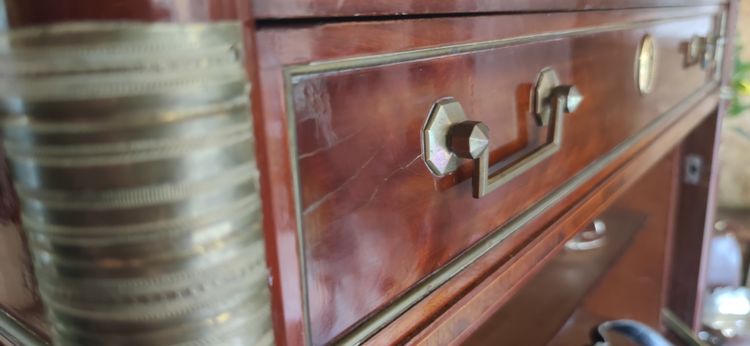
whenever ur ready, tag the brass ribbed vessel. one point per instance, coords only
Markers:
(132, 152)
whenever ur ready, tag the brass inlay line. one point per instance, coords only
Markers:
(340, 65)
(412, 296)
(12, 328)
(442, 275)
(678, 327)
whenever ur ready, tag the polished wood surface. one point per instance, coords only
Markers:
(695, 212)
(360, 260)
(635, 286)
(279, 9)
(489, 283)
(558, 289)
(365, 189)
(693, 229)
(598, 281)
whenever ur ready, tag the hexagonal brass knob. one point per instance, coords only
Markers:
(469, 139)
(448, 136)
(547, 90)
(573, 97)
(445, 114)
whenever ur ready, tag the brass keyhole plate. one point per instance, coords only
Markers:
(645, 65)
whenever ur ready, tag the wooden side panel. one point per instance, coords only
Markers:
(634, 286)
(598, 282)
(694, 225)
(696, 208)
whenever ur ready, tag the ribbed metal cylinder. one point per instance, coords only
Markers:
(132, 152)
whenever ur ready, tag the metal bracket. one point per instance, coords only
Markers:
(693, 169)
(447, 136)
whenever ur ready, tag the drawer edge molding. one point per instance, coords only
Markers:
(296, 72)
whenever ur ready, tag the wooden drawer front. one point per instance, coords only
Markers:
(375, 221)
(358, 8)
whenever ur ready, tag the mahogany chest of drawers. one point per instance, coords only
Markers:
(428, 169)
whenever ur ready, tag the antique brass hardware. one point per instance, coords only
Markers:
(131, 149)
(695, 49)
(701, 50)
(645, 65)
(448, 136)
(693, 170)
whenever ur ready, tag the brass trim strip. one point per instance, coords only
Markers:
(344, 64)
(289, 102)
(679, 328)
(14, 329)
(379, 320)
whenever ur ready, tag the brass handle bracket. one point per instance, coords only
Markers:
(449, 137)
(702, 50)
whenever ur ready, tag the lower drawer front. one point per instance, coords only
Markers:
(375, 219)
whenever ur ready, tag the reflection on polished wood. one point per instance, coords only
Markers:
(579, 289)
(356, 8)
(365, 189)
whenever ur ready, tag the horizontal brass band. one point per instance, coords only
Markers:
(159, 168)
(144, 230)
(117, 37)
(126, 109)
(138, 196)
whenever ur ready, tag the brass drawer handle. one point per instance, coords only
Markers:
(448, 136)
(701, 50)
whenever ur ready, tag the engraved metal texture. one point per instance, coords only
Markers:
(132, 152)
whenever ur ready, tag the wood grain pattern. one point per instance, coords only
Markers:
(278, 9)
(464, 301)
(634, 286)
(599, 281)
(490, 282)
(279, 46)
(558, 289)
(365, 190)
(693, 229)
(696, 209)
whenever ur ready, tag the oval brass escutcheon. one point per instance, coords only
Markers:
(645, 65)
